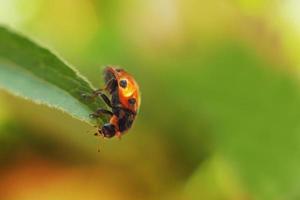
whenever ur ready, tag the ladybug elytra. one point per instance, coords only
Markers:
(124, 102)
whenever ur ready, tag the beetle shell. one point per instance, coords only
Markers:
(129, 93)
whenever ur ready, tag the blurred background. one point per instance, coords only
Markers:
(220, 114)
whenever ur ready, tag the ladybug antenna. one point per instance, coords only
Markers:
(99, 144)
(98, 148)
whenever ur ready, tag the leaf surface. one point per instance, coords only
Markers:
(34, 73)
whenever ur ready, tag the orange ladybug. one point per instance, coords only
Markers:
(124, 102)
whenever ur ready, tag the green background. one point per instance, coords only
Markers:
(220, 113)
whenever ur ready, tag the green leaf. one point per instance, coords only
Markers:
(34, 73)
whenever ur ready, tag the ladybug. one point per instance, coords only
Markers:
(124, 102)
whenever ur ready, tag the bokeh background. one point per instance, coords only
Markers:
(220, 114)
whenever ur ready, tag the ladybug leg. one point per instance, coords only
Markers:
(88, 97)
(111, 85)
(101, 112)
(103, 96)
(97, 134)
(92, 96)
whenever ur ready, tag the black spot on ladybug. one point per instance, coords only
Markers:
(123, 83)
(131, 101)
